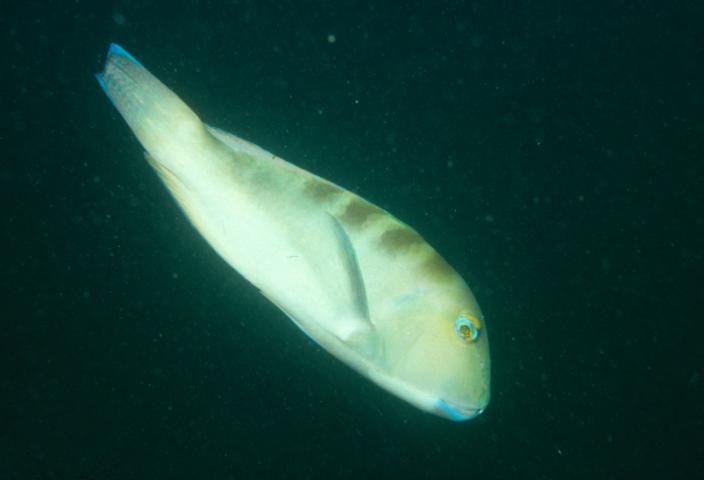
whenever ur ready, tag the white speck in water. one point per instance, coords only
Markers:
(489, 218)
(331, 38)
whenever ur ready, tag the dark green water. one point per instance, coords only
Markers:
(551, 151)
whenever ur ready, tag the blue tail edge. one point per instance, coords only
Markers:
(115, 49)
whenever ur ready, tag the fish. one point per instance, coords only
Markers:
(359, 282)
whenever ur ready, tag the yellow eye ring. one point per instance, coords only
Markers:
(467, 327)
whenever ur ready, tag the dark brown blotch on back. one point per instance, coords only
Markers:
(400, 238)
(436, 267)
(357, 212)
(320, 190)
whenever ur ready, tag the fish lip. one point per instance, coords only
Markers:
(456, 412)
(428, 402)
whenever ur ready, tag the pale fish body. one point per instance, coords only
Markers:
(359, 282)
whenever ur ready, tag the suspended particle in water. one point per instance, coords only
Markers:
(119, 19)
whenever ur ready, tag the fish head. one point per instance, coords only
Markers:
(441, 363)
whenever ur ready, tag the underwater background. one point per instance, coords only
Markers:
(551, 151)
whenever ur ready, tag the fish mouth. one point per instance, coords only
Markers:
(430, 402)
(455, 412)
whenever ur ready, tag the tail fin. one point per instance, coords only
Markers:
(154, 113)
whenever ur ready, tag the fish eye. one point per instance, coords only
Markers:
(467, 327)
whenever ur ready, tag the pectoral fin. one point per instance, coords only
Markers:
(351, 324)
(357, 291)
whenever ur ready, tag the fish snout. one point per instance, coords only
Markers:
(454, 412)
